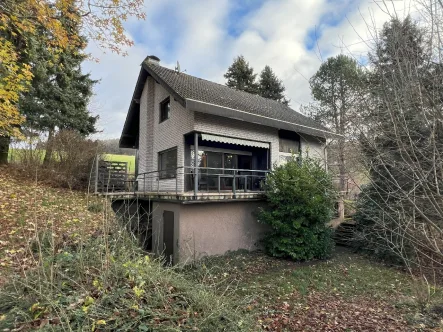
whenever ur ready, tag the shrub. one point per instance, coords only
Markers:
(300, 198)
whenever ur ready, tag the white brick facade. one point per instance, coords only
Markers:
(156, 137)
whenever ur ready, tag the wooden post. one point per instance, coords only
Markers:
(195, 164)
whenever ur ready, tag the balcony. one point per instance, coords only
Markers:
(187, 184)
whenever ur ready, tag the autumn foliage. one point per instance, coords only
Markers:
(22, 21)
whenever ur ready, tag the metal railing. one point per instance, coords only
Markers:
(182, 179)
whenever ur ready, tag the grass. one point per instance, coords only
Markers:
(16, 155)
(122, 158)
(66, 264)
(349, 290)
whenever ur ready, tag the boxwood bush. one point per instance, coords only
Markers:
(300, 201)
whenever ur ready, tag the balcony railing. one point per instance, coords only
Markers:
(182, 180)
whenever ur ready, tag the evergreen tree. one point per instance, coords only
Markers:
(400, 210)
(270, 86)
(241, 76)
(60, 92)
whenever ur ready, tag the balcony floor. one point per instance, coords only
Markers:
(188, 197)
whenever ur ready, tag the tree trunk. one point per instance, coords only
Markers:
(4, 149)
(49, 148)
(342, 176)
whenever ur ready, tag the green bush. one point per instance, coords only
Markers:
(300, 201)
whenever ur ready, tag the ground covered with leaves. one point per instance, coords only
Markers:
(31, 212)
(347, 293)
(68, 264)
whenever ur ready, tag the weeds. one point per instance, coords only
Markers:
(77, 269)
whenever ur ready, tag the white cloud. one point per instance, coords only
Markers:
(197, 33)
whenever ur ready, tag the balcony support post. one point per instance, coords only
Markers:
(195, 164)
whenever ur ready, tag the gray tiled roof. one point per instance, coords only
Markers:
(191, 87)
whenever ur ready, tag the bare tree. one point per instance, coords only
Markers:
(401, 210)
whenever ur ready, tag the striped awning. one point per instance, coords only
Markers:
(237, 141)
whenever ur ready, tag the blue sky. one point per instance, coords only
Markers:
(291, 36)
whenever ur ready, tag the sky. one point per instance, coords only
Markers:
(293, 37)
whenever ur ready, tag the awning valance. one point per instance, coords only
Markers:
(237, 141)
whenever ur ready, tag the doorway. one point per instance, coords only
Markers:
(168, 237)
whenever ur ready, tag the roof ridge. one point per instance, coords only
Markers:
(227, 87)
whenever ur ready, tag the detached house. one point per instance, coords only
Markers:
(203, 151)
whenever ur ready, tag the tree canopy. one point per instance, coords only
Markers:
(270, 86)
(21, 21)
(241, 76)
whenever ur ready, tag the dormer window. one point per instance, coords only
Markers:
(164, 109)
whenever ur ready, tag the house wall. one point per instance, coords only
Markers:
(156, 137)
(157, 227)
(313, 146)
(213, 124)
(208, 229)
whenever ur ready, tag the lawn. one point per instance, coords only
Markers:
(122, 158)
(346, 293)
(349, 292)
(16, 155)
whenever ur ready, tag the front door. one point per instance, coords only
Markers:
(168, 236)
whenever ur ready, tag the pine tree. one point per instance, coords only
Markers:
(60, 92)
(241, 76)
(270, 86)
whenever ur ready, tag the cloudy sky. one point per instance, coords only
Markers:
(292, 36)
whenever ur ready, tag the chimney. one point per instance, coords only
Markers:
(152, 59)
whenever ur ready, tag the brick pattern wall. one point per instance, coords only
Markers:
(157, 137)
(218, 125)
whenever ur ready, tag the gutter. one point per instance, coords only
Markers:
(204, 107)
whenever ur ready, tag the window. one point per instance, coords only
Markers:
(167, 163)
(164, 109)
(289, 146)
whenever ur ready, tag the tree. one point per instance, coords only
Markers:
(271, 87)
(59, 94)
(300, 199)
(336, 87)
(241, 76)
(400, 210)
(23, 20)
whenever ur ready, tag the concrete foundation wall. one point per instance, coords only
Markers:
(208, 229)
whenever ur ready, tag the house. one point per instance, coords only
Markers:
(203, 151)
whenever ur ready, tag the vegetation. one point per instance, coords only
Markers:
(22, 22)
(270, 86)
(400, 210)
(346, 293)
(336, 87)
(241, 76)
(300, 200)
(68, 265)
(59, 94)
